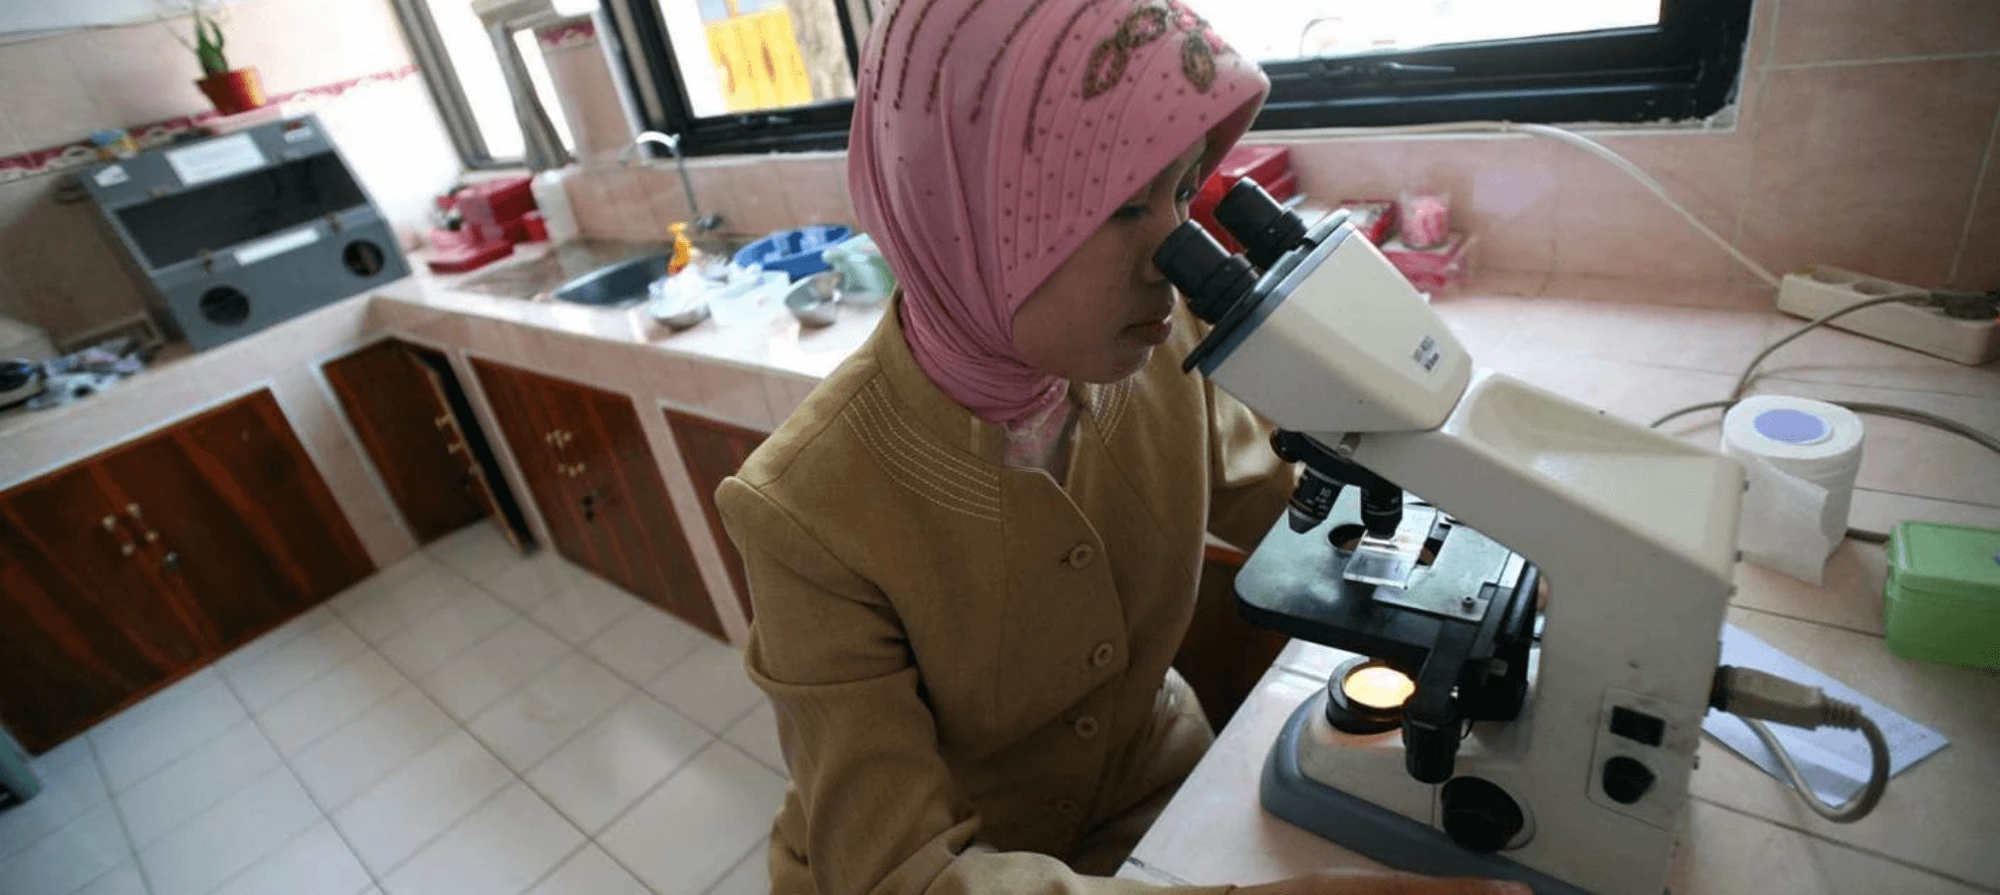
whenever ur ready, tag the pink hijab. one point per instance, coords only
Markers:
(992, 137)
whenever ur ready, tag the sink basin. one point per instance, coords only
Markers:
(618, 284)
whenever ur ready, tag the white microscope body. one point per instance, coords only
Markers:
(1633, 533)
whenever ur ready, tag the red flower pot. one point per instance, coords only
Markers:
(234, 91)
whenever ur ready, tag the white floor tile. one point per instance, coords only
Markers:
(71, 785)
(709, 686)
(477, 551)
(585, 608)
(168, 725)
(389, 823)
(646, 643)
(321, 707)
(61, 862)
(316, 863)
(470, 617)
(757, 734)
(614, 761)
(500, 849)
(590, 872)
(255, 822)
(525, 584)
(751, 876)
(280, 635)
(529, 723)
(379, 611)
(181, 791)
(370, 589)
(351, 760)
(686, 835)
(476, 678)
(121, 880)
(265, 676)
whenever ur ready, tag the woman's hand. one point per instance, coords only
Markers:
(1370, 883)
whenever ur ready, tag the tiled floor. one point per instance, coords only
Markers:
(466, 722)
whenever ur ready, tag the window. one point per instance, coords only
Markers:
(730, 77)
(1336, 63)
(746, 75)
(463, 70)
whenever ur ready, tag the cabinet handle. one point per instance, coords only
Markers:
(132, 509)
(152, 536)
(576, 470)
(111, 523)
(442, 422)
(456, 447)
(127, 548)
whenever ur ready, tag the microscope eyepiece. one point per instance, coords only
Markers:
(1212, 279)
(1265, 228)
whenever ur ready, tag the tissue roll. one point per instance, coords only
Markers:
(1809, 440)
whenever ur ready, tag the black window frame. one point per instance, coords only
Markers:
(1684, 68)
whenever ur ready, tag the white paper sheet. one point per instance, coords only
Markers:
(1834, 762)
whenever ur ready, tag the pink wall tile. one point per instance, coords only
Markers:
(816, 190)
(664, 196)
(1822, 30)
(1756, 55)
(1979, 258)
(1504, 190)
(139, 74)
(1349, 169)
(1869, 167)
(64, 274)
(1608, 225)
(630, 208)
(753, 201)
(589, 100)
(45, 100)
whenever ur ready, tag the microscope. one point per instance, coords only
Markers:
(1534, 623)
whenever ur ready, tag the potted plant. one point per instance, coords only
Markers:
(232, 91)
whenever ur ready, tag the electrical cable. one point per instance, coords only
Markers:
(1758, 696)
(1572, 138)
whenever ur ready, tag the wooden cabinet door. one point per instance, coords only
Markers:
(409, 432)
(626, 503)
(522, 407)
(714, 451)
(586, 460)
(86, 624)
(245, 524)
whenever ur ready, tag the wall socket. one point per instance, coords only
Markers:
(1820, 290)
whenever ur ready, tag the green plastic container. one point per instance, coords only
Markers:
(1942, 600)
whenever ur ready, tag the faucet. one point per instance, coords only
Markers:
(702, 223)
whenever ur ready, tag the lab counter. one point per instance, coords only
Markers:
(1746, 832)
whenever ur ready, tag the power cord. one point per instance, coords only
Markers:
(1910, 414)
(1757, 696)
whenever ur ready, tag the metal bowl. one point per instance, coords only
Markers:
(815, 300)
(683, 317)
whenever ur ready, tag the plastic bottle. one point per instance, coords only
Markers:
(552, 199)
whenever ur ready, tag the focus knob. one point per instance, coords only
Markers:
(1479, 815)
(1626, 779)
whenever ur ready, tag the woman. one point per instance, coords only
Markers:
(973, 551)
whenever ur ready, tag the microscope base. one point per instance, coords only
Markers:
(1371, 830)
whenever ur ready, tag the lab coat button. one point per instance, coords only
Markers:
(1066, 807)
(1086, 727)
(1101, 656)
(1080, 556)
